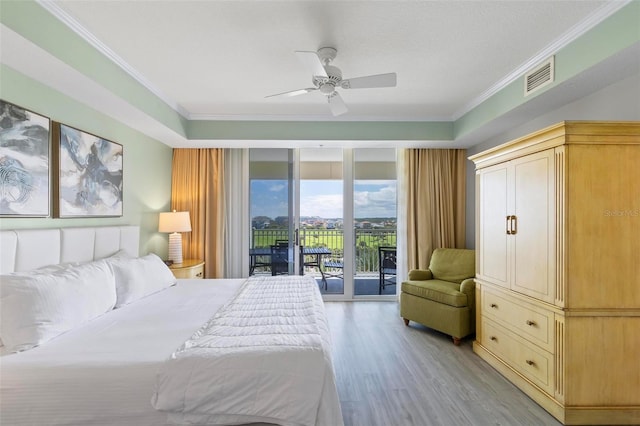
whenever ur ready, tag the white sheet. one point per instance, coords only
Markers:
(265, 356)
(103, 373)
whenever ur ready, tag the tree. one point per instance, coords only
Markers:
(282, 221)
(260, 222)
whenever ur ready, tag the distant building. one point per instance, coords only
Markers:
(363, 224)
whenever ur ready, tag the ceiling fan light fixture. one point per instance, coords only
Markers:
(327, 89)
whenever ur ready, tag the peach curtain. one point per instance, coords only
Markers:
(435, 181)
(197, 186)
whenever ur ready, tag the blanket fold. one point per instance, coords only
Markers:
(264, 357)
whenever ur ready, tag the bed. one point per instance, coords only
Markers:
(206, 352)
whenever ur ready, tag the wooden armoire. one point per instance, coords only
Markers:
(558, 268)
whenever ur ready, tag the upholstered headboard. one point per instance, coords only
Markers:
(26, 249)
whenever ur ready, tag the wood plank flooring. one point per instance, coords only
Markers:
(391, 375)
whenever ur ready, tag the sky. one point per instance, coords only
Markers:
(323, 198)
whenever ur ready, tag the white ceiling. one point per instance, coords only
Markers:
(219, 59)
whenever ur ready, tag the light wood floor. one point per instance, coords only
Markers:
(392, 375)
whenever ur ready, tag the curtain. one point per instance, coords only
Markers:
(435, 180)
(197, 186)
(401, 223)
(236, 178)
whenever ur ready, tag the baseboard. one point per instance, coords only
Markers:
(602, 416)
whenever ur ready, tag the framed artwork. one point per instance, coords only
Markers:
(24, 162)
(88, 174)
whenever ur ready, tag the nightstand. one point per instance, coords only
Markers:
(189, 268)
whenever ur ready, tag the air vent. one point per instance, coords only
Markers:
(538, 77)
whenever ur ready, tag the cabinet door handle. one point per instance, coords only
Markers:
(529, 362)
(514, 225)
(494, 338)
(532, 323)
(493, 305)
(507, 225)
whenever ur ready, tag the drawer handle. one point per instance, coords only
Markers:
(199, 274)
(532, 323)
(530, 362)
(493, 305)
(494, 338)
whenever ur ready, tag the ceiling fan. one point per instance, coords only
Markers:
(327, 79)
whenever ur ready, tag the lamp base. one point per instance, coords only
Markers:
(175, 247)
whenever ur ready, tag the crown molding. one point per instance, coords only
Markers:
(86, 35)
(310, 117)
(572, 34)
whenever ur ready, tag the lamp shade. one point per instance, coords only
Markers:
(174, 222)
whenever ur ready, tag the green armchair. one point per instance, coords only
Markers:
(443, 296)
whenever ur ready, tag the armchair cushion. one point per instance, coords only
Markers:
(440, 291)
(453, 265)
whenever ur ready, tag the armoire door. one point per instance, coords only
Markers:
(533, 225)
(494, 259)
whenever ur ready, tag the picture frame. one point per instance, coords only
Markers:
(88, 174)
(25, 162)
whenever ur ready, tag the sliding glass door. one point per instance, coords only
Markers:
(375, 218)
(272, 211)
(325, 212)
(321, 224)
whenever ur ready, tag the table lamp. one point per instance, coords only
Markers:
(174, 222)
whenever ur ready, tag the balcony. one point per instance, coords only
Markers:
(367, 241)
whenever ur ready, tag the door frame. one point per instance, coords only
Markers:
(348, 224)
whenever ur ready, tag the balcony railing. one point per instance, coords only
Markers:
(367, 241)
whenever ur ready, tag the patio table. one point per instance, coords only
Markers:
(261, 256)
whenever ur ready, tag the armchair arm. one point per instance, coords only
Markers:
(420, 275)
(468, 287)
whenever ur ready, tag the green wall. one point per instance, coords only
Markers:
(32, 21)
(147, 162)
(614, 34)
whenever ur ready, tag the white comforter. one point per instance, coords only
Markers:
(103, 373)
(264, 357)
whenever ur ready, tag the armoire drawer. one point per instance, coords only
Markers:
(531, 322)
(526, 358)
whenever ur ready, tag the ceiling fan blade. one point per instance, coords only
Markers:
(312, 62)
(370, 81)
(294, 92)
(337, 105)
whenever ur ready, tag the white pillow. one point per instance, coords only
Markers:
(61, 267)
(37, 306)
(42, 270)
(140, 277)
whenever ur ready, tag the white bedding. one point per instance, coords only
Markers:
(264, 357)
(103, 373)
